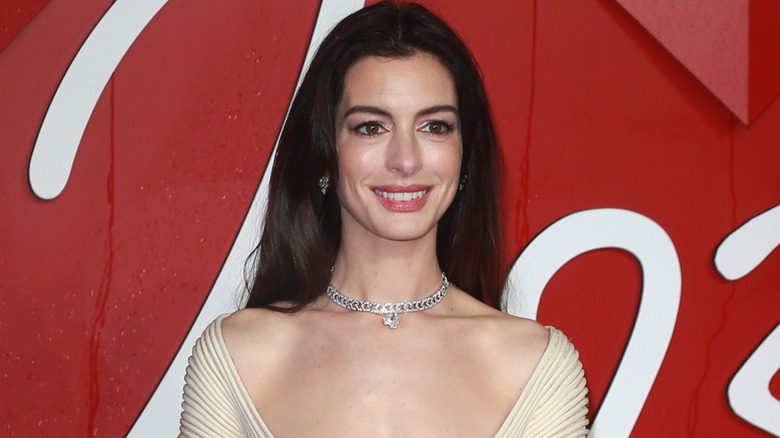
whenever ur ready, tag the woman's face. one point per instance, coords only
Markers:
(399, 147)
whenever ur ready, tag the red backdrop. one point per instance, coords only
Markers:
(596, 106)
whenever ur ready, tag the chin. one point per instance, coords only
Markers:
(407, 234)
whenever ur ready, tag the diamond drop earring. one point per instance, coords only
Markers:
(324, 183)
(463, 182)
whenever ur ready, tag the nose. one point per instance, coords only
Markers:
(403, 153)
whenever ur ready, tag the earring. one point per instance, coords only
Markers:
(324, 183)
(463, 182)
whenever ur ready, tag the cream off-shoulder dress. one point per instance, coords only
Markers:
(217, 405)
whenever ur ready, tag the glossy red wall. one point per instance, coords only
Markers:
(595, 109)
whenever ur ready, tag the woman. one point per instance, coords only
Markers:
(374, 308)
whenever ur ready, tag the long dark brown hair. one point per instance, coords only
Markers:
(302, 230)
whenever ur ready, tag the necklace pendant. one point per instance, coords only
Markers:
(391, 320)
(389, 311)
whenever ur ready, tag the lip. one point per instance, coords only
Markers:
(402, 199)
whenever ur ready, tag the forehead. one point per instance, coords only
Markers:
(418, 79)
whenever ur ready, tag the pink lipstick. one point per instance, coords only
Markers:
(402, 199)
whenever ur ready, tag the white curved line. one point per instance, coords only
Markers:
(78, 93)
(748, 392)
(747, 246)
(160, 417)
(738, 255)
(588, 230)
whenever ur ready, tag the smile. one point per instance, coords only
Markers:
(401, 196)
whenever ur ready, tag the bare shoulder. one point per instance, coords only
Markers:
(513, 333)
(247, 323)
(515, 344)
(255, 336)
(523, 340)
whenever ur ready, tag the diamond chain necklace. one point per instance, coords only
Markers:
(389, 311)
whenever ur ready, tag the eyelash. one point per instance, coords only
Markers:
(358, 129)
(446, 127)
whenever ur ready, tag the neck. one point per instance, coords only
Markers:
(387, 271)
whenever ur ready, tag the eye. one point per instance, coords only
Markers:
(438, 127)
(370, 128)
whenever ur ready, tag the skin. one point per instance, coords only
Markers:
(453, 370)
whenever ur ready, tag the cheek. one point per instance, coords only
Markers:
(353, 166)
(449, 161)
(358, 161)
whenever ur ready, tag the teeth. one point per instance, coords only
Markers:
(401, 196)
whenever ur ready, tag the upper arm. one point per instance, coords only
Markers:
(561, 402)
(526, 342)
(256, 341)
(208, 407)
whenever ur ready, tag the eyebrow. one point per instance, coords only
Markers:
(380, 112)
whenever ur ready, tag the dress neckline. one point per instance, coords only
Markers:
(251, 409)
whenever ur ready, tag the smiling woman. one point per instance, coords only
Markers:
(398, 150)
(384, 201)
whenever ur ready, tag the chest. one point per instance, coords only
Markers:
(363, 388)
